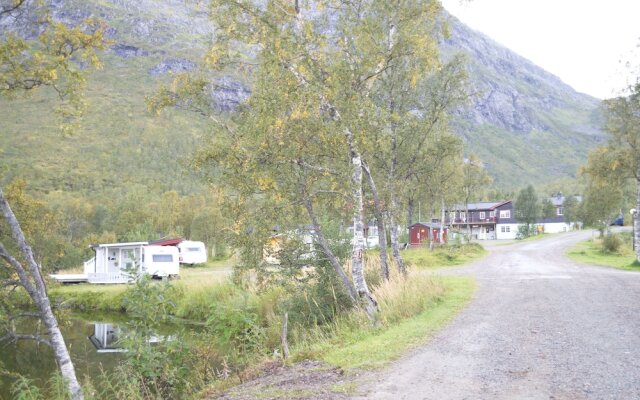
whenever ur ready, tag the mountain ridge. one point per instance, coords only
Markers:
(524, 123)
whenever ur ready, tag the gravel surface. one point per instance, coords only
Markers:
(539, 327)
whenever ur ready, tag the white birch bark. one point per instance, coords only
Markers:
(357, 253)
(31, 279)
(382, 232)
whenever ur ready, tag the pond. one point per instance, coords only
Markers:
(93, 344)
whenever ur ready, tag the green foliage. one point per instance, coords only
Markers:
(602, 202)
(611, 243)
(591, 252)
(24, 389)
(236, 323)
(527, 210)
(160, 364)
(547, 209)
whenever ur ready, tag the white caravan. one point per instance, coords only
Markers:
(192, 252)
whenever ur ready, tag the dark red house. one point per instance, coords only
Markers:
(420, 233)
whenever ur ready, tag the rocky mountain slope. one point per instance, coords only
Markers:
(523, 122)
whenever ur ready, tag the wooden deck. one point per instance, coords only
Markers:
(70, 278)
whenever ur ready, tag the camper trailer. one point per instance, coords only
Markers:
(192, 252)
(115, 262)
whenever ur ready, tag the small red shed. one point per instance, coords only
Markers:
(424, 232)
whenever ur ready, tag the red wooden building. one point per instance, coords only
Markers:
(420, 233)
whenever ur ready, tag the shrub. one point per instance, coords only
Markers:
(611, 243)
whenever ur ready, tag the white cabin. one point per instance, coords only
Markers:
(114, 262)
(192, 252)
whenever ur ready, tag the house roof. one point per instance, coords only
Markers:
(558, 199)
(428, 225)
(483, 205)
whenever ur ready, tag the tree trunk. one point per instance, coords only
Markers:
(357, 253)
(636, 219)
(326, 249)
(410, 212)
(382, 233)
(31, 279)
(395, 245)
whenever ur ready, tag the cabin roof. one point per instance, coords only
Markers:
(166, 242)
(129, 244)
(435, 225)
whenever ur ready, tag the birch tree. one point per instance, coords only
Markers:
(49, 61)
(622, 116)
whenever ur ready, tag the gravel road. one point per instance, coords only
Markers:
(539, 327)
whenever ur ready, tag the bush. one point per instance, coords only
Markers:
(611, 243)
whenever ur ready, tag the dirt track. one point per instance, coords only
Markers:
(540, 327)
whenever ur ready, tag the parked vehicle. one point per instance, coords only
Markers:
(618, 221)
(192, 252)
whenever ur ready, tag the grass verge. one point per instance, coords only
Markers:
(591, 252)
(377, 348)
(191, 292)
(444, 256)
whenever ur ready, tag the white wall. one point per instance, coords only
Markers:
(555, 227)
(511, 230)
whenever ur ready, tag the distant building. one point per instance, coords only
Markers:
(558, 222)
(496, 219)
(420, 233)
(487, 220)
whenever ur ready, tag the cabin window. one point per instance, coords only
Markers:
(560, 211)
(505, 213)
(481, 214)
(462, 215)
(505, 229)
(162, 257)
(492, 214)
(502, 229)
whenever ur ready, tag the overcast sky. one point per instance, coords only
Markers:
(584, 42)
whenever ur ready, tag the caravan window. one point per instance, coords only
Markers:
(193, 249)
(162, 257)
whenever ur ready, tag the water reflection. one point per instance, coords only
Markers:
(105, 338)
(93, 347)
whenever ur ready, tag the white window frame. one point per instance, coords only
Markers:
(560, 211)
(505, 214)
(502, 229)
(492, 214)
(463, 215)
(482, 214)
